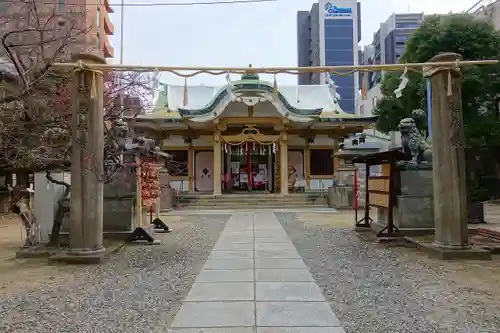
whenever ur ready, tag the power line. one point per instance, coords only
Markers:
(154, 4)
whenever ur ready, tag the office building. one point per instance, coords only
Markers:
(487, 10)
(87, 21)
(389, 42)
(328, 35)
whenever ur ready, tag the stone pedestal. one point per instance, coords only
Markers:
(414, 203)
(167, 193)
(341, 196)
(344, 175)
(118, 207)
(166, 199)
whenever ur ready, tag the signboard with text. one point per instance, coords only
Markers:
(335, 12)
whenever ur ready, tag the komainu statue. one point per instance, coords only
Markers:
(413, 142)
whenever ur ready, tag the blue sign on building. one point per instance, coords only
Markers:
(334, 11)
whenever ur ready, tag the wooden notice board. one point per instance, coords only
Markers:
(380, 189)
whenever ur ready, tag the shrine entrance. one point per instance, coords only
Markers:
(249, 162)
(249, 167)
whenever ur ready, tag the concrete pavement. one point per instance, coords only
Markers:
(255, 281)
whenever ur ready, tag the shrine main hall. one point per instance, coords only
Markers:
(249, 135)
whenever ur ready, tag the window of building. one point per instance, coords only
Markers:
(61, 3)
(339, 44)
(399, 51)
(375, 101)
(401, 39)
(361, 110)
(406, 25)
(178, 165)
(321, 162)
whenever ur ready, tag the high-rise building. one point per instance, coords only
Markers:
(89, 19)
(487, 10)
(389, 42)
(328, 35)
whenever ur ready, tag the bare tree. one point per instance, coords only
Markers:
(35, 97)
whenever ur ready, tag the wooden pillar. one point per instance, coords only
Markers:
(190, 167)
(86, 226)
(284, 163)
(448, 156)
(217, 164)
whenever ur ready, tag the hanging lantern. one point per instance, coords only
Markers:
(274, 148)
(253, 146)
(225, 148)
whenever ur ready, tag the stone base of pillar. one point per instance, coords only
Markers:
(80, 256)
(443, 253)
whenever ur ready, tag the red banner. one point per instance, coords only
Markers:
(150, 183)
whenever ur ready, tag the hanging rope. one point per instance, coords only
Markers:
(82, 67)
(248, 139)
(335, 70)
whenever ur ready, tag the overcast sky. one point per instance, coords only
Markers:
(261, 34)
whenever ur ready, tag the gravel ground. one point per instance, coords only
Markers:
(137, 290)
(384, 290)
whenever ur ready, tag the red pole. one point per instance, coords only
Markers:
(355, 189)
(249, 166)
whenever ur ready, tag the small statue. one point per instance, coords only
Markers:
(413, 142)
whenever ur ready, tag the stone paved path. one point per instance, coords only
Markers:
(255, 281)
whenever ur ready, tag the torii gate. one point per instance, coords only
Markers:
(449, 181)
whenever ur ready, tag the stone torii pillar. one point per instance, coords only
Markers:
(448, 162)
(86, 213)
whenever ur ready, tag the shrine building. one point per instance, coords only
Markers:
(249, 135)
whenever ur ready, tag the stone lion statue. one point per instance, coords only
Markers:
(413, 142)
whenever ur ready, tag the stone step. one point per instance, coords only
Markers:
(253, 201)
(233, 207)
(269, 204)
(274, 204)
(255, 198)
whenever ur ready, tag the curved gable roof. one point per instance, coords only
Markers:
(305, 101)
